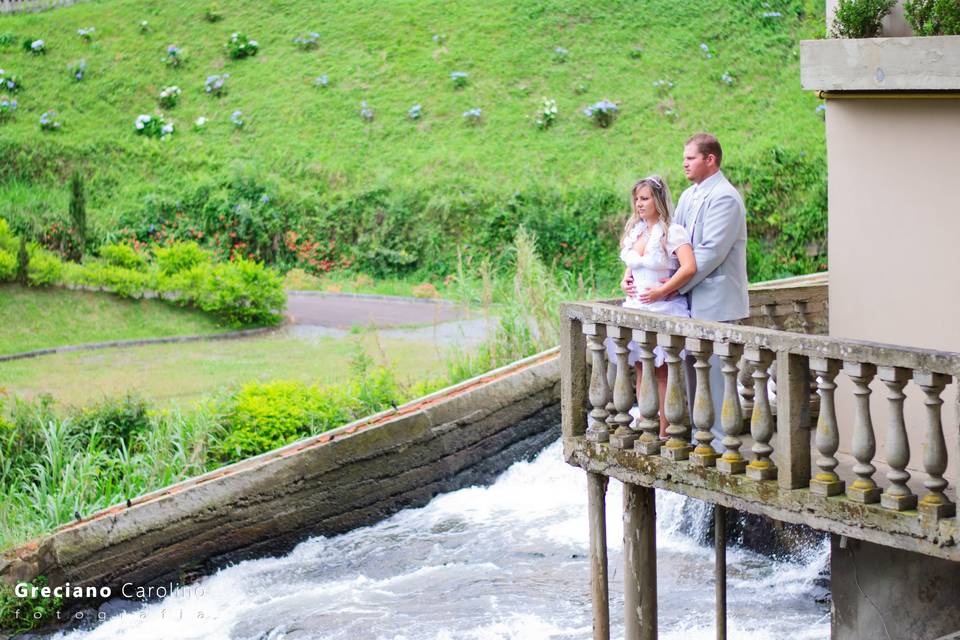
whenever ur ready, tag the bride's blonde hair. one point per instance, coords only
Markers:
(661, 199)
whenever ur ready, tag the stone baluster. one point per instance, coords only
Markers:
(624, 436)
(826, 482)
(761, 421)
(703, 454)
(599, 390)
(649, 401)
(675, 409)
(731, 418)
(934, 504)
(746, 391)
(611, 380)
(770, 315)
(897, 496)
(864, 445)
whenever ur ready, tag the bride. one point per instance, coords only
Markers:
(659, 260)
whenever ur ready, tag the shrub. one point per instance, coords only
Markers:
(7, 107)
(8, 242)
(49, 122)
(44, 268)
(547, 115)
(933, 17)
(242, 292)
(23, 263)
(8, 266)
(180, 256)
(122, 255)
(213, 13)
(116, 420)
(169, 97)
(860, 18)
(78, 70)
(307, 42)
(23, 614)
(264, 416)
(473, 116)
(35, 46)
(239, 46)
(459, 79)
(10, 82)
(175, 56)
(216, 85)
(152, 126)
(123, 281)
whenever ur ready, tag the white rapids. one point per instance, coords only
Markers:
(508, 561)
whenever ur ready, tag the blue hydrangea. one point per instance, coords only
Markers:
(459, 79)
(322, 81)
(415, 112)
(365, 111)
(706, 50)
(237, 119)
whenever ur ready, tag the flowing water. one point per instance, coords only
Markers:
(508, 561)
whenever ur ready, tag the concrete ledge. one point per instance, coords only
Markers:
(324, 485)
(881, 64)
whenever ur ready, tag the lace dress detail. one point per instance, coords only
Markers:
(648, 270)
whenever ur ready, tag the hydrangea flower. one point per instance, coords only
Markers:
(144, 26)
(439, 38)
(308, 41)
(706, 50)
(240, 46)
(152, 126)
(322, 81)
(237, 119)
(603, 112)
(48, 121)
(459, 79)
(78, 70)
(200, 122)
(772, 14)
(7, 107)
(9, 82)
(365, 111)
(726, 78)
(472, 116)
(174, 57)
(662, 86)
(264, 199)
(547, 115)
(170, 97)
(415, 112)
(560, 54)
(86, 34)
(38, 47)
(216, 85)
(821, 109)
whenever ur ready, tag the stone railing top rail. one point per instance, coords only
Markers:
(821, 279)
(817, 346)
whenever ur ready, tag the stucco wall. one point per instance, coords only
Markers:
(894, 239)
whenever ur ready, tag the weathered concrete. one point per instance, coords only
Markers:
(324, 485)
(883, 592)
(881, 64)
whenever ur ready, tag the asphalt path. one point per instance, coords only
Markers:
(342, 311)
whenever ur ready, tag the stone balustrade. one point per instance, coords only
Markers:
(785, 464)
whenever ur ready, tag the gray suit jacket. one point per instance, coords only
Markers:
(718, 230)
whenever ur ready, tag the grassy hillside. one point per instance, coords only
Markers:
(431, 183)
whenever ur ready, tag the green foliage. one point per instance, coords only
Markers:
(116, 421)
(123, 281)
(44, 268)
(180, 256)
(860, 18)
(78, 216)
(933, 17)
(18, 615)
(241, 292)
(23, 262)
(122, 255)
(8, 266)
(8, 242)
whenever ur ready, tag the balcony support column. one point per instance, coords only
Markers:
(640, 560)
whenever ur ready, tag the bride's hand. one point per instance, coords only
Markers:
(652, 295)
(629, 289)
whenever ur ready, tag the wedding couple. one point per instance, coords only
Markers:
(690, 262)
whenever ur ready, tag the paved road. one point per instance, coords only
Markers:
(342, 311)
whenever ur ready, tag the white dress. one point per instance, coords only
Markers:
(648, 270)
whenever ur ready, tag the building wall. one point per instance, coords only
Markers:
(894, 240)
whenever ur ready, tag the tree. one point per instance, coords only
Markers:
(78, 216)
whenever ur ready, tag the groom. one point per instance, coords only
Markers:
(713, 214)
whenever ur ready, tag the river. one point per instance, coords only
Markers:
(507, 561)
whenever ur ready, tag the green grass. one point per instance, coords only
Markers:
(311, 144)
(39, 318)
(182, 374)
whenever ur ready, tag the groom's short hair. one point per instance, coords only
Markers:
(707, 144)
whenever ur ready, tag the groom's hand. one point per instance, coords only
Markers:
(629, 288)
(672, 295)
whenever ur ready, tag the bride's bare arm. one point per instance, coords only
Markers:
(688, 267)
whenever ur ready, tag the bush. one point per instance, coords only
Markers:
(933, 17)
(8, 242)
(860, 18)
(8, 266)
(242, 292)
(116, 420)
(123, 281)
(240, 46)
(44, 268)
(122, 255)
(180, 256)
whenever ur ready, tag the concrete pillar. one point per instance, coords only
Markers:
(640, 562)
(599, 590)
